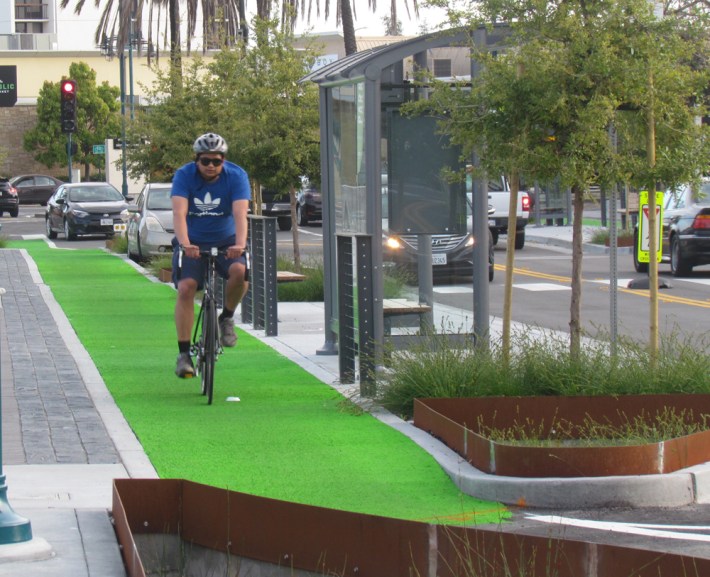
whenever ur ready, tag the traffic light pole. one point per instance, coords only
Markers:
(69, 156)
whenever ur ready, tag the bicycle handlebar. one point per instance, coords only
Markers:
(213, 252)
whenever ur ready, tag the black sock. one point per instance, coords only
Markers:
(184, 346)
(226, 313)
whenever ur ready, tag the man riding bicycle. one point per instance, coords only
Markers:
(210, 199)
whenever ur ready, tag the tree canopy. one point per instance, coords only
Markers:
(251, 97)
(97, 119)
(574, 95)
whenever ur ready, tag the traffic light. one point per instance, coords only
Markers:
(68, 106)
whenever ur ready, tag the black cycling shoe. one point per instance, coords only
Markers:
(184, 367)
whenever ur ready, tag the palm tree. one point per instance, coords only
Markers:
(223, 21)
(345, 14)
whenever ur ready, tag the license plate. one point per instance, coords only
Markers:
(438, 259)
(119, 227)
(106, 221)
(491, 222)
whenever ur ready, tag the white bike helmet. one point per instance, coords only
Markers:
(210, 142)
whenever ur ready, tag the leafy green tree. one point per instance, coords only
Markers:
(162, 135)
(253, 98)
(275, 121)
(97, 119)
(573, 72)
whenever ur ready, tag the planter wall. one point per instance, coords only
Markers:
(165, 275)
(288, 539)
(456, 423)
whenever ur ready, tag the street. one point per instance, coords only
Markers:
(541, 284)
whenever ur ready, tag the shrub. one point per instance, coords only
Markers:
(118, 244)
(541, 365)
(309, 290)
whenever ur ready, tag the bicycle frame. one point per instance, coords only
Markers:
(205, 339)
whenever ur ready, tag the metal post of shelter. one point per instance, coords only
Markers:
(260, 305)
(366, 314)
(346, 309)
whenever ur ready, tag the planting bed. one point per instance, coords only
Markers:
(459, 424)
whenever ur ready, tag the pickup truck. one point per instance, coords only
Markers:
(499, 199)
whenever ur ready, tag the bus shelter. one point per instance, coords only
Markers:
(383, 173)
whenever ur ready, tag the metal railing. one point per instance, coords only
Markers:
(40, 42)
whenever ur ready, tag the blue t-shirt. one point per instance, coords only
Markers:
(209, 213)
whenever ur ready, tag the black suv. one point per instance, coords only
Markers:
(9, 201)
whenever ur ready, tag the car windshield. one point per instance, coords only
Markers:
(159, 199)
(94, 194)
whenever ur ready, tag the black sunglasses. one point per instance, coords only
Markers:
(212, 161)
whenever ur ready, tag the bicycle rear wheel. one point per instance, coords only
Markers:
(209, 348)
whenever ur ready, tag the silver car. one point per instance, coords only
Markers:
(150, 227)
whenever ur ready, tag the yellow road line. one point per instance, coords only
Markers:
(645, 293)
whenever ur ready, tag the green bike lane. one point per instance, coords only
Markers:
(289, 436)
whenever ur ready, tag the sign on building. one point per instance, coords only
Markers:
(8, 85)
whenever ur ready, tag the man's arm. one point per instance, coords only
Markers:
(180, 207)
(240, 209)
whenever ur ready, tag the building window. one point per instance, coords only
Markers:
(28, 28)
(442, 68)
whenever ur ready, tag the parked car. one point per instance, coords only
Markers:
(685, 238)
(309, 206)
(150, 226)
(86, 208)
(452, 254)
(9, 201)
(277, 204)
(35, 188)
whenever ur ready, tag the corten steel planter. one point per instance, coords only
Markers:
(165, 275)
(284, 538)
(458, 424)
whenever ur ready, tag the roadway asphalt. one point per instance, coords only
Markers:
(64, 441)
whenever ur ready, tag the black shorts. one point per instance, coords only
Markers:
(195, 267)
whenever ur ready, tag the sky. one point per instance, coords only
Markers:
(368, 23)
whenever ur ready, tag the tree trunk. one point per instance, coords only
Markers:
(175, 50)
(509, 263)
(575, 324)
(346, 14)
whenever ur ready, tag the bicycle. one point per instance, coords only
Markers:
(206, 345)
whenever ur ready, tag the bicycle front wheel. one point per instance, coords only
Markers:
(209, 342)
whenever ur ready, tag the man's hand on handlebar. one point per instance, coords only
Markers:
(235, 251)
(191, 250)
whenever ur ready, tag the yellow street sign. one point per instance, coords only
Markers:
(643, 236)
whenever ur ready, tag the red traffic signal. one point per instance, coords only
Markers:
(68, 88)
(68, 106)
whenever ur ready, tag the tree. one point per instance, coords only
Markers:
(392, 27)
(97, 119)
(251, 97)
(345, 15)
(574, 70)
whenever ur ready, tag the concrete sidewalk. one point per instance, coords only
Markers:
(64, 439)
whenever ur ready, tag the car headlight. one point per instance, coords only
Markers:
(470, 241)
(124, 215)
(152, 224)
(79, 213)
(392, 242)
